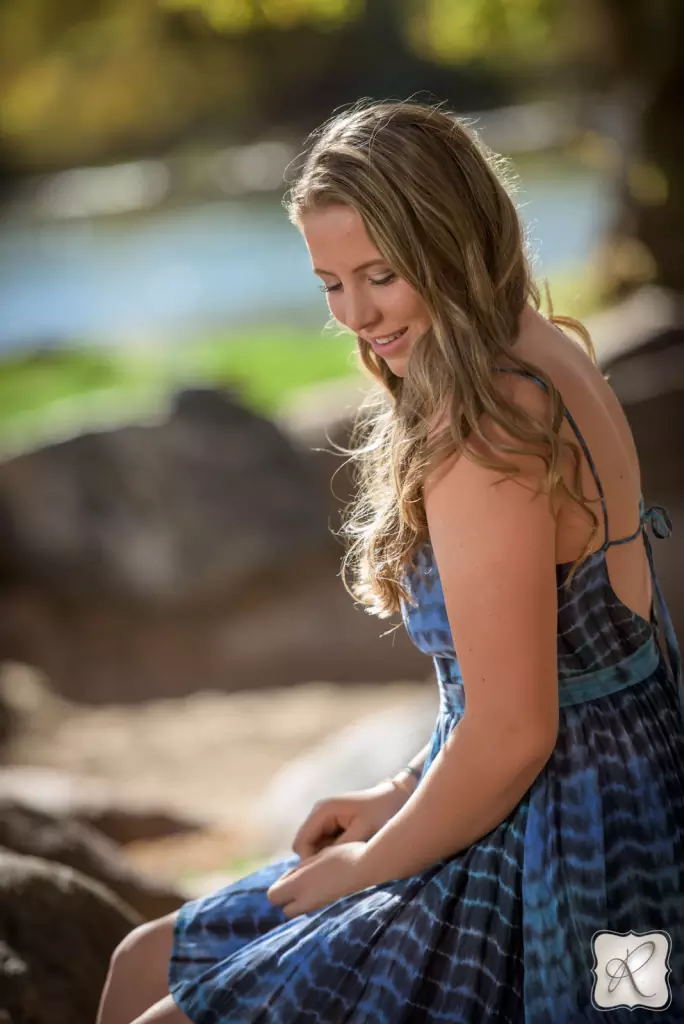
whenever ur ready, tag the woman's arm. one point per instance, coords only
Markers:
(494, 543)
(469, 789)
(404, 776)
(420, 758)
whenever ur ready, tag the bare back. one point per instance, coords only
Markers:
(603, 425)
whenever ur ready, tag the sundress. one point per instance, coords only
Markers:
(502, 931)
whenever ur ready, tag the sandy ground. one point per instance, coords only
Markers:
(207, 756)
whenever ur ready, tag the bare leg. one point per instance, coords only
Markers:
(164, 1012)
(138, 974)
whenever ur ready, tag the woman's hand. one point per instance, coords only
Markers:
(320, 880)
(331, 842)
(349, 818)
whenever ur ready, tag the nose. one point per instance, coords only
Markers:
(360, 312)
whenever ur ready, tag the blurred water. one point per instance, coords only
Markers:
(170, 273)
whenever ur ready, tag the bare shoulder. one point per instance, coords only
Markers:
(495, 494)
(493, 538)
(586, 393)
(496, 441)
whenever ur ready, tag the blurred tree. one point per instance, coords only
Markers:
(499, 29)
(98, 79)
(633, 50)
(246, 15)
(94, 80)
(89, 80)
(646, 59)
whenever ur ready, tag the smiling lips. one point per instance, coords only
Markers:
(388, 340)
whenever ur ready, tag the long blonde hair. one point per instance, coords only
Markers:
(435, 202)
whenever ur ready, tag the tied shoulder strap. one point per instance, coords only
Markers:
(657, 519)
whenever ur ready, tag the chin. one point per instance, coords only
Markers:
(397, 366)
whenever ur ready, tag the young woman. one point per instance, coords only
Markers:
(499, 509)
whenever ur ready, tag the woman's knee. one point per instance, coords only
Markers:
(145, 948)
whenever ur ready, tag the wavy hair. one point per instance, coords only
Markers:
(435, 202)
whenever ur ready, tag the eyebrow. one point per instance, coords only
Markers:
(363, 266)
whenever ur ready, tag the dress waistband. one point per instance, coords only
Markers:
(578, 689)
(591, 685)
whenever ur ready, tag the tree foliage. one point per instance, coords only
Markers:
(240, 16)
(439, 29)
(87, 79)
(97, 79)
(492, 29)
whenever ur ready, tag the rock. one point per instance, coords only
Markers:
(58, 930)
(648, 378)
(623, 327)
(321, 421)
(187, 756)
(295, 626)
(154, 561)
(357, 757)
(126, 825)
(49, 837)
(185, 509)
(91, 801)
(7, 725)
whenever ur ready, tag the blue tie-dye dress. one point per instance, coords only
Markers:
(501, 932)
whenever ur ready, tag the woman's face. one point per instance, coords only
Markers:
(363, 292)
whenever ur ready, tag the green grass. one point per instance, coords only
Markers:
(269, 366)
(28, 383)
(43, 393)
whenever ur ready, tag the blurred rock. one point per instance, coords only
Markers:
(91, 801)
(648, 378)
(35, 833)
(58, 930)
(197, 853)
(153, 561)
(321, 420)
(357, 757)
(133, 824)
(185, 509)
(7, 724)
(624, 327)
(205, 758)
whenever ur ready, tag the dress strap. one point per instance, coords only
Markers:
(655, 516)
(583, 445)
(657, 519)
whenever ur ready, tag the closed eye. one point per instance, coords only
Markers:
(336, 287)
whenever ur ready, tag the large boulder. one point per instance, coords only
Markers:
(28, 831)
(99, 803)
(184, 509)
(58, 930)
(153, 561)
(7, 724)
